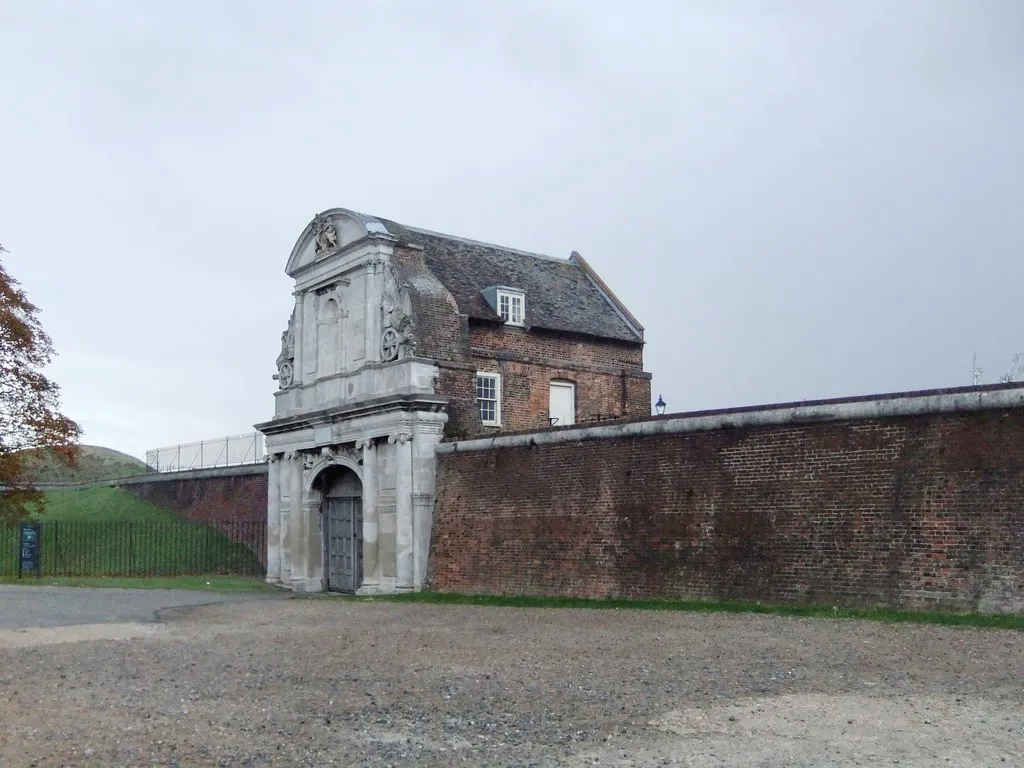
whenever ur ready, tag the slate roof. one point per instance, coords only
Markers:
(559, 294)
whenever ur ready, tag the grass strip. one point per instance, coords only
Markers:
(950, 619)
(201, 583)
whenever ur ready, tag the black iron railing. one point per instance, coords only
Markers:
(142, 548)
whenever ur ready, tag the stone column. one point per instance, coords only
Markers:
(371, 516)
(287, 513)
(403, 511)
(274, 518)
(297, 524)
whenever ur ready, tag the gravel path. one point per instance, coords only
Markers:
(323, 682)
(32, 606)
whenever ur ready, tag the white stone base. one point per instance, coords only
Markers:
(385, 586)
(307, 585)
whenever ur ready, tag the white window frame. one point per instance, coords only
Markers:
(512, 297)
(496, 422)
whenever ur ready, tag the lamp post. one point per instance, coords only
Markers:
(659, 407)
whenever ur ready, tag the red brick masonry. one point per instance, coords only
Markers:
(232, 499)
(241, 498)
(906, 511)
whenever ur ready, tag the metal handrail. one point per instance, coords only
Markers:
(230, 451)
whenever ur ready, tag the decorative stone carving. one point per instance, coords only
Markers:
(399, 438)
(285, 375)
(336, 294)
(273, 458)
(397, 340)
(315, 463)
(325, 235)
(366, 442)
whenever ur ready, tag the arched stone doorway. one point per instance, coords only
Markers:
(341, 512)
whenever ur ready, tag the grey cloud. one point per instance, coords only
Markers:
(797, 199)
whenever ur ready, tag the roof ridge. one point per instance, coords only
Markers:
(471, 241)
(609, 295)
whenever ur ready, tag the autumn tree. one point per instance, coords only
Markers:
(30, 419)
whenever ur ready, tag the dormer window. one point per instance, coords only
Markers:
(511, 306)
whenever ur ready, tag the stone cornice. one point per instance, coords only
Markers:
(388, 404)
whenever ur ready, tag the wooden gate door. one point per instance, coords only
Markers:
(344, 544)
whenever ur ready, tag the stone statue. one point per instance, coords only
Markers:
(285, 375)
(397, 339)
(325, 235)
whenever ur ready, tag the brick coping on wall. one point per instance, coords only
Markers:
(916, 403)
(236, 470)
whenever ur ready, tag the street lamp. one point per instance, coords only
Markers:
(659, 407)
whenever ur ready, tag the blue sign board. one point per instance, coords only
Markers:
(30, 554)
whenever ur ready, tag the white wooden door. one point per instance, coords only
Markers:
(562, 404)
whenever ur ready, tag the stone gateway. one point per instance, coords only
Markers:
(399, 338)
(351, 447)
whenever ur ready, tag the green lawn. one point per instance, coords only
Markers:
(201, 583)
(99, 505)
(980, 620)
(108, 532)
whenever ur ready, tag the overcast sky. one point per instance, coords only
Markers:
(797, 199)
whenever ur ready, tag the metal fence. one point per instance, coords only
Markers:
(204, 454)
(142, 548)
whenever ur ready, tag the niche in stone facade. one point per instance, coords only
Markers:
(330, 346)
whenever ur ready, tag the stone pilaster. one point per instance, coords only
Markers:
(428, 435)
(371, 310)
(309, 337)
(404, 535)
(274, 518)
(313, 576)
(287, 512)
(297, 523)
(371, 517)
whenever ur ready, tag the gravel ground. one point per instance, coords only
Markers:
(318, 682)
(32, 606)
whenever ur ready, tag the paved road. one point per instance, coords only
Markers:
(25, 606)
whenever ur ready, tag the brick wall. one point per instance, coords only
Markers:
(231, 499)
(609, 378)
(236, 497)
(919, 511)
(441, 332)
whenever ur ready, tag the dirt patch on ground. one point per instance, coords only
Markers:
(325, 682)
(34, 636)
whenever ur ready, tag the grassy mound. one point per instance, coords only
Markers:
(99, 505)
(107, 532)
(94, 464)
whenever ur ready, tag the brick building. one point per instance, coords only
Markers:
(399, 338)
(521, 341)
